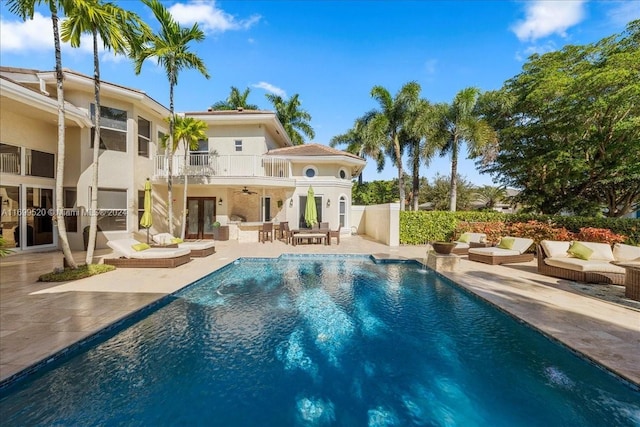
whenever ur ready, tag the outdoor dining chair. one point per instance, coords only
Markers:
(266, 232)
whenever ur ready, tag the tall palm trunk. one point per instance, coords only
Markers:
(93, 218)
(59, 207)
(170, 158)
(184, 198)
(415, 185)
(454, 173)
(398, 154)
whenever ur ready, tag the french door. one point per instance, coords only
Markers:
(201, 214)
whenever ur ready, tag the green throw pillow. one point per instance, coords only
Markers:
(579, 250)
(464, 238)
(140, 247)
(506, 243)
(177, 240)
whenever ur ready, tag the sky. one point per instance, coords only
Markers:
(332, 53)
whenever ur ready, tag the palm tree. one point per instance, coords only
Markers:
(292, 117)
(420, 147)
(25, 9)
(357, 141)
(490, 195)
(170, 46)
(389, 122)
(189, 131)
(112, 25)
(460, 123)
(235, 101)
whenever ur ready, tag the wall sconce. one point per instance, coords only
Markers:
(291, 202)
(220, 202)
(328, 203)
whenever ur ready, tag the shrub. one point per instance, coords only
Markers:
(600, 235)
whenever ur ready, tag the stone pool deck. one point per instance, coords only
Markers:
(38, 319)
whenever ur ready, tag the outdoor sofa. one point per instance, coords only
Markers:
(599, 267)
(467, 240)
(509, 250)
(198, 248)
(146, 258)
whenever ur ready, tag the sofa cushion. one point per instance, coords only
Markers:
(622, 252)
(601, 251)
(555, 248)
(579, 250)
(577, 264)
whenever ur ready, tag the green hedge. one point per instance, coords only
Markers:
(417, 228)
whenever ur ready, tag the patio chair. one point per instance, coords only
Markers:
(145, 258)
(336, 234)
(509, 250)
(198, 248)
(285, 232)
(266, 232)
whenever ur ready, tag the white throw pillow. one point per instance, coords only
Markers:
(622, 252)
(555, 248)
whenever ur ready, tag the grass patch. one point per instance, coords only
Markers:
(79, 273)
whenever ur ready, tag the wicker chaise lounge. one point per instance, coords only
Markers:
(553, 260)
(149, 258)
(501, 255)
(468, 240)
(198, 248)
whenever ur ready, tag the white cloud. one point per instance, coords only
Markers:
(540, 49)
(30, 35)
(623, 12)
(546, 17)
(270, 88)
(212, 19)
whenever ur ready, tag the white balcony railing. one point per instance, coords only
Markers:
(223, 165)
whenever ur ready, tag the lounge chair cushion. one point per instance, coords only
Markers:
(494, 251)
(140, 247)
(124, 248)
(506, 243)
(167, 239)
(601, 251)
(622, 252)
(554, 249)
(578, 250)
(577, 264)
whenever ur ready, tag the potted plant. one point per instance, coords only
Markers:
(443, 248)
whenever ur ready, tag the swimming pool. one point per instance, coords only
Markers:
(309, 340)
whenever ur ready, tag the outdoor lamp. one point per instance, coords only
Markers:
(328, 202)
(220, 202)
(291, 202)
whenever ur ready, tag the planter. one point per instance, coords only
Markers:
(443, 248)
(221, 232)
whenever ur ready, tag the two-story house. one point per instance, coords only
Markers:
(246, 172)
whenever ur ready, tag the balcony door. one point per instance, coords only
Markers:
(201, 214)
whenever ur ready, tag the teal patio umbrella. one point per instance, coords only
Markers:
(146, 221)
(310, 211)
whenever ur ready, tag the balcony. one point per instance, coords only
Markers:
(209, 165)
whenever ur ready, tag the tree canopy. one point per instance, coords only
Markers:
(569, 128)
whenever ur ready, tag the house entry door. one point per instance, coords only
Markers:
(201, 214)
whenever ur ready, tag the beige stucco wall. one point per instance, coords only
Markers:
(223, 138)
(382, 223)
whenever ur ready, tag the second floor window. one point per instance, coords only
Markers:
(144, 136)
(113, 128)
(238, 145)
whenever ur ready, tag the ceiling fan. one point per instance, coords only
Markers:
(246, 191)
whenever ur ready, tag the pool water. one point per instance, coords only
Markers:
(315, 341)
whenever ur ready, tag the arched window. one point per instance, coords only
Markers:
(343, 210)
